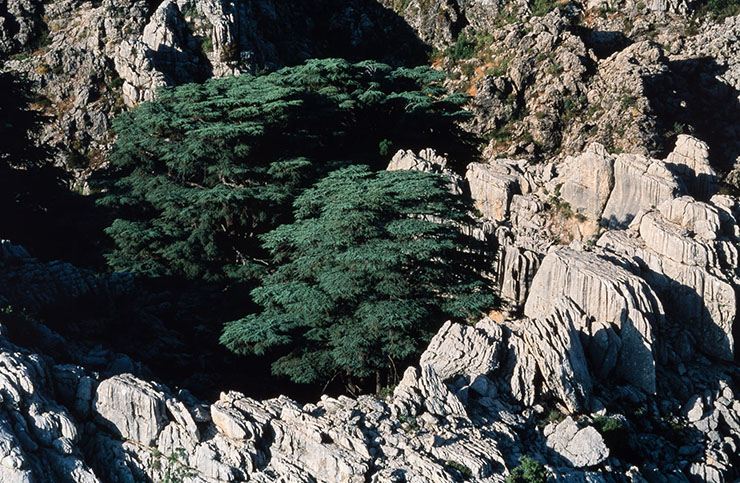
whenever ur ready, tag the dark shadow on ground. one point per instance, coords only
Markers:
(691, 99)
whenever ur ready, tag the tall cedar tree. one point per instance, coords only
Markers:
(363, 276)
(198, 174)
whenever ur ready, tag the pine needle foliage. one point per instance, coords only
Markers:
(363, 276)
(197, 174)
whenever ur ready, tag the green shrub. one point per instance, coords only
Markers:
(207, 44)
(615, 434)
(463, 48)
(411, 423)
(528, 471)
(719, 9)
(554, 415)
(464, 470)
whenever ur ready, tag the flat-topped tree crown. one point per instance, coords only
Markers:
(372, 265)
(198, 173)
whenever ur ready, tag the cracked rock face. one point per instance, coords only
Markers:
(610, 296)
(679, 248)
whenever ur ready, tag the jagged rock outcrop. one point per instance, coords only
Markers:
(555, 344)
(428, 161)
(611, 298)
(493, 185)
(639, 184)
(130, 407)
(689, 161)
(457, 350)
(587, 181)
(680, 248)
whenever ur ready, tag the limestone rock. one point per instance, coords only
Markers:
(555, 344)
(460, 350)
(639, 184)
(679, 251)
(428, 161)
(516, 267)
(425, 392)
(133, 408)
(586, 181)
(30, 283)
(689, 160)
(300, 438)
(582, 447)
(491, 189)
(608, 294)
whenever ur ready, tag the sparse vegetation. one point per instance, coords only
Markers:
(408, 424)
(614, 432)
(543, 7)
(528, 471)
(460, 468)
(719, 9)
(553, 416)
(172, 467)
(555, 69)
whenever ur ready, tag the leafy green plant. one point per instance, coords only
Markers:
(463, 48)
(207, 44)
(384, 147)
(172, 466)
(555, 69)
(627, 101)
(229, 53)
(468, 45)
(606, 424)
(614, 432)
(552, 416)
(386, 392)
(543, 7)
(459, 467)
(410, 423)
(720, 9)
(528, 471)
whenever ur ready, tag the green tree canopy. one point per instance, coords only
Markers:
(364, 275)
(197, 174)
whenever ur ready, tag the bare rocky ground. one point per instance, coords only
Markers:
(606, 195)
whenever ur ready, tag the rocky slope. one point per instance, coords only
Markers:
(549, 78)
(614, 361)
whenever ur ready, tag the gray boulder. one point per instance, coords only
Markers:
(687, 255)
(586, 181)
(135, 409)
(581, 447)
(458, 350)
(689, 160)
